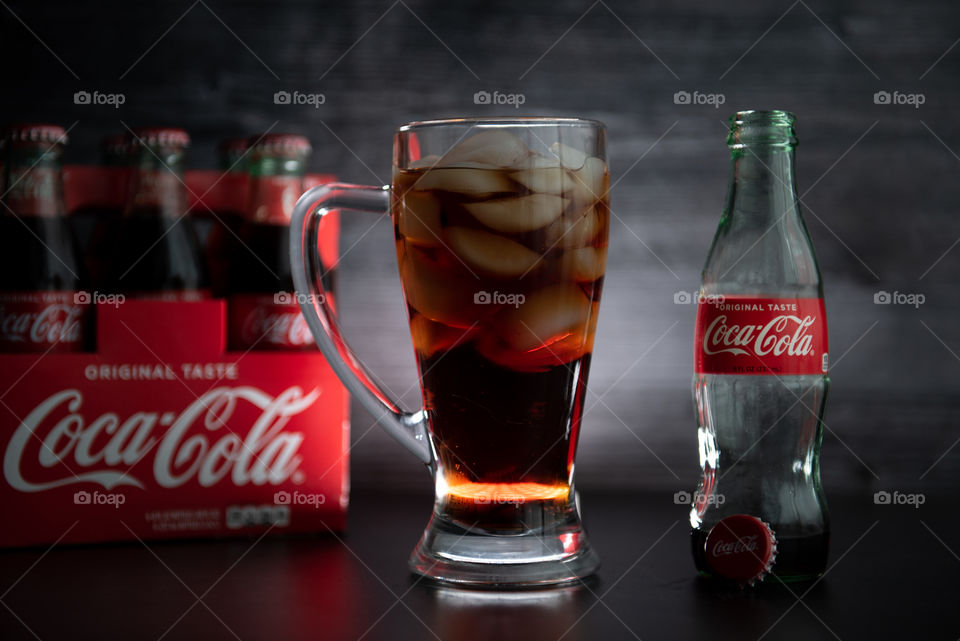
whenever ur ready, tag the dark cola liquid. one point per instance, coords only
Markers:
(510, 440)
(798, 558)
(219, 247)
(38, 253)
(94, 226)
(503, 323)
(260, 259)
(151, 253)
(259, 262)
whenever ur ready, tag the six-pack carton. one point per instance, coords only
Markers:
(163, 433)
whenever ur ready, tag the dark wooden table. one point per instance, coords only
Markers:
(891, 576)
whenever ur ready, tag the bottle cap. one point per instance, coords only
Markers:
(281, 144)
(161, 136)
(741, 548)
(37, 132)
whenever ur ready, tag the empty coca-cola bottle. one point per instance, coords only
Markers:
(153, 249)
(760, 372)
(263, 309)
(226, 215)
(43, 305)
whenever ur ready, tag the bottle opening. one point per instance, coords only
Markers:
(756, 127)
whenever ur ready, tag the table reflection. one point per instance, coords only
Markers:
(462, 615)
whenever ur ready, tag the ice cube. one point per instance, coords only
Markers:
(522, 350)
(491, 254)
(547, 180)
(569, 157)
(441, 292)
(430, 337)
(474, 182)
(537, 161)
(426, 161)
(513, 215)
(574, 231)
(586, 264)
(545, 317)
(589, 182)
(539, 360)
(495, 148)
(418, 218)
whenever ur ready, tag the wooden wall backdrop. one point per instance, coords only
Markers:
(880, 180)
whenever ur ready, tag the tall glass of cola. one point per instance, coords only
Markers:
(501, 230)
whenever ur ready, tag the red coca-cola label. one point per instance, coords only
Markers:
(267, 321)
(43, 321)
(750, 335)
(273, 199)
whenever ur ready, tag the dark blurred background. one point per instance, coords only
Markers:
(879, 180)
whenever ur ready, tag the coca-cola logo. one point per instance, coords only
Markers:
(57, 322)
(194, 445)
(785, 334)
(747, 543)
(276, 325)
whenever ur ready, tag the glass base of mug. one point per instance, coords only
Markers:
(540, 557)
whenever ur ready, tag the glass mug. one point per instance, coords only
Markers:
(501, 230)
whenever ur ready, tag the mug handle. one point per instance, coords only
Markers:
(410, 429)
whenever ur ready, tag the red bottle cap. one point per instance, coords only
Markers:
(741, 548)
(162, 136)
(281, 144)
(37, 132)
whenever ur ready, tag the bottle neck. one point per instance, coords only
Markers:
(275, 185)
(34, 182)
(156, 184)
(762, 187)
